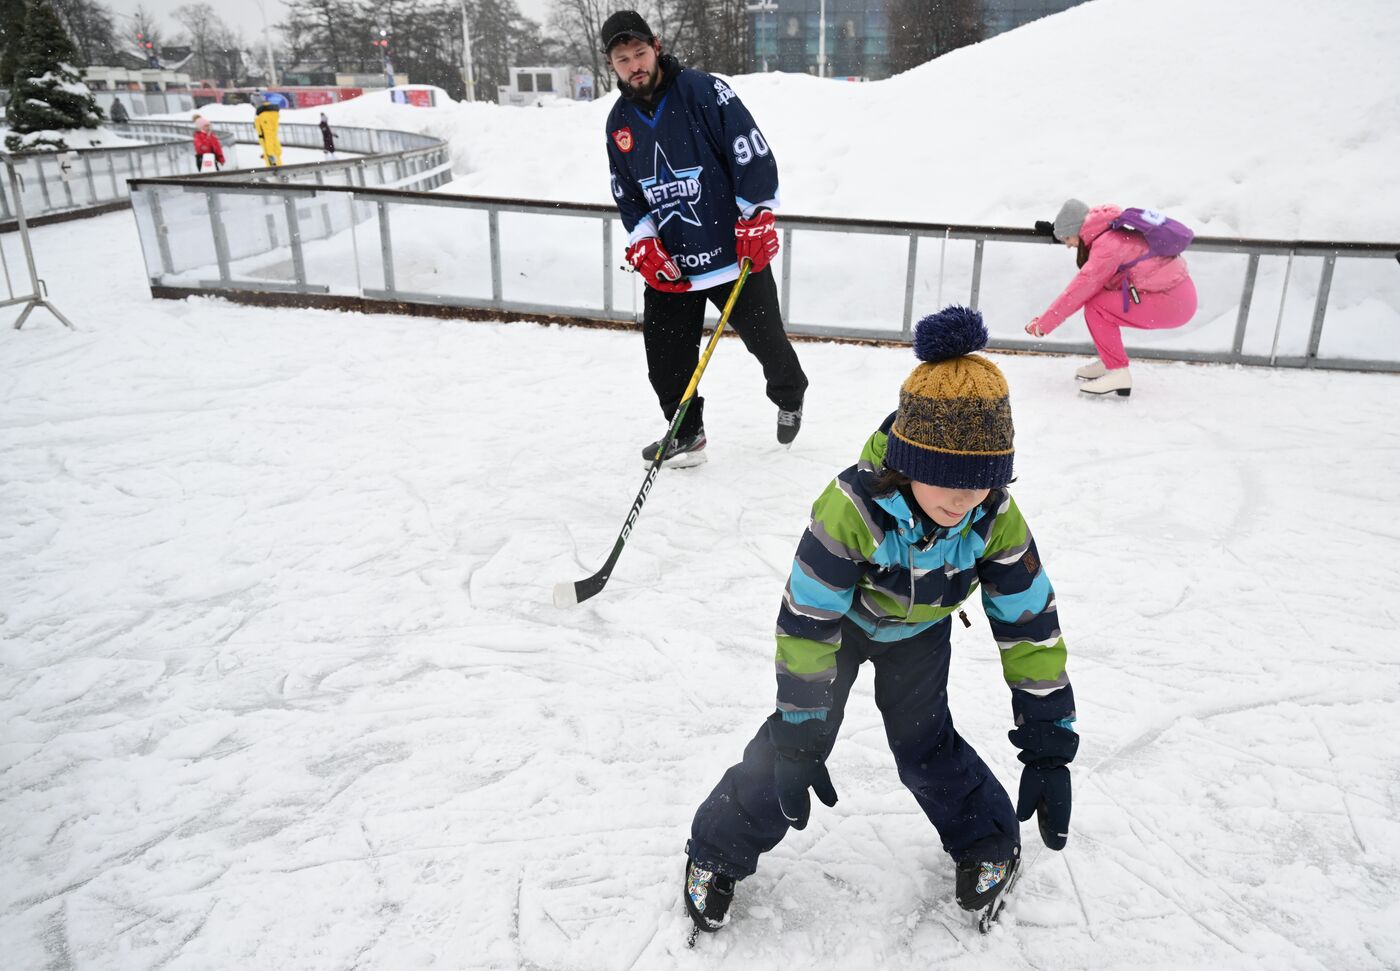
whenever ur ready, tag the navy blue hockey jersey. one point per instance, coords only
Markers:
(687, 172)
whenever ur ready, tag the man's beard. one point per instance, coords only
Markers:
(647, 86)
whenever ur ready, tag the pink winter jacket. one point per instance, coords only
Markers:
(1108, 250)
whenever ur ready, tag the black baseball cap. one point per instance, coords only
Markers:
(624, 24)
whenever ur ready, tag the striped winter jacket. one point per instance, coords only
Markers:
(867, 556)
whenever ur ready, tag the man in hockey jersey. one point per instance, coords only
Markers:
(696, 185)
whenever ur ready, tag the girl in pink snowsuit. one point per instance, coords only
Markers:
(1158, 295)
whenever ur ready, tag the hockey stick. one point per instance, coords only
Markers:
(566, 594)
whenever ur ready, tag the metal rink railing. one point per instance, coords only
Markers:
(57, 183)
(1272, 302)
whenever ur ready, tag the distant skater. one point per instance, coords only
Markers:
(1120, 284)
(327, 136)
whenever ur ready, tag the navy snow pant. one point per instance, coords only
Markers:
(740, 820)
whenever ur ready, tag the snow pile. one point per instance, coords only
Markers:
(1290, 131)
(99, 137)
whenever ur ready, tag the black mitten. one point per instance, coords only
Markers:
(800, 766)
(1046, 749)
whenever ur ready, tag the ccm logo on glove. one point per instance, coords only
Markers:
(757, 239)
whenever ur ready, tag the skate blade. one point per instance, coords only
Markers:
(992, 914)
(686, 460)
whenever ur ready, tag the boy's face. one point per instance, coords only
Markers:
(946, 507)
(636, 65)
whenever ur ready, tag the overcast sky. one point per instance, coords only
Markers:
(245, 15)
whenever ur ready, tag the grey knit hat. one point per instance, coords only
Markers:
(1070, 220)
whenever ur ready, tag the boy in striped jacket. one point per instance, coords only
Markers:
(896, 544)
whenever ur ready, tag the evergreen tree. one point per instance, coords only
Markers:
(11, 26)
(48, 95)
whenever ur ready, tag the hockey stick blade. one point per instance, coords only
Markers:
(571, 594)
(565, 595)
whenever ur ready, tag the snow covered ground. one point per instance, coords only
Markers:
(282, 685)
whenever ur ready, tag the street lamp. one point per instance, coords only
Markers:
(267, 40)
(467, 74)
(383, 45)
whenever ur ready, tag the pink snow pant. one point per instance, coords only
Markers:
(1157, 311)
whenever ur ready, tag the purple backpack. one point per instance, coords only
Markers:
(1164, 237)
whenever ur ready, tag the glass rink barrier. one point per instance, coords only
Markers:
(88, 181)
(53, 183)
(328, 239)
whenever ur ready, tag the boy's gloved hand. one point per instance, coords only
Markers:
(1046, 749)
(800, 765)
(1044, 227)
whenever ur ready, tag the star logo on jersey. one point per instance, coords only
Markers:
(622, 138)
(671, 191)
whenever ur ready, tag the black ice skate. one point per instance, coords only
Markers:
(789, 424)
(682, 453)
(984, 886)
(707, 898)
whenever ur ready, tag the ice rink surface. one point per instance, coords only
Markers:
(282, 685)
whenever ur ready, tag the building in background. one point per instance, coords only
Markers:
(143, 91)
(538, 86)
(787, 37)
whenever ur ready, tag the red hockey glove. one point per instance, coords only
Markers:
(757, 239)
(651, 260)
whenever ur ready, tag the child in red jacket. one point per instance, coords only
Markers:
(206, 143)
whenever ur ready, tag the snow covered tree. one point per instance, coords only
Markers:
(48, 96)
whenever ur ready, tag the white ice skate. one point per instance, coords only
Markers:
(1118, 381)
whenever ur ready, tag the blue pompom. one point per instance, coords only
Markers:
(952, 332)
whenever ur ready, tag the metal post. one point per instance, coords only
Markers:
(67, 186)
(467, 72)
(112, 171)
(910, 267)
(43, 183)
(1324, 288)
(36, 285)
(942, 256)
(607, 253)
(1282, 300)
(92, 183)
(1246, 298)
(355, 244)
(787, 272)
(493, 222)
(294, 235)
(386, 246)
(216, 225)
(167, 262)
(976, 274)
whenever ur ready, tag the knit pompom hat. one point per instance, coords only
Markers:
(953, 427)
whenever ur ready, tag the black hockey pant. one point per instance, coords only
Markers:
(672, 326)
